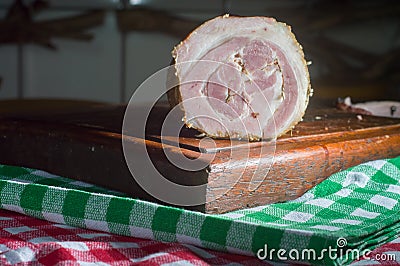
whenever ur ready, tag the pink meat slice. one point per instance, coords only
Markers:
(241, 77)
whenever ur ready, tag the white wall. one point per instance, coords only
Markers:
(92, 70)
(84, 70)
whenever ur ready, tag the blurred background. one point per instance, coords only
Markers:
(102, 50)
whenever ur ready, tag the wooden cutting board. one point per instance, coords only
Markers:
(82, 140)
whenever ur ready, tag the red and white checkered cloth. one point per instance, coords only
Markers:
(25, 240)
(28, 241)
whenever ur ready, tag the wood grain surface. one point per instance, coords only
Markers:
(82, 140)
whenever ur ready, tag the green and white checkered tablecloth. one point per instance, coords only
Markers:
(350, 213)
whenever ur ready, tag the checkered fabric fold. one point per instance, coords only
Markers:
(348, 214)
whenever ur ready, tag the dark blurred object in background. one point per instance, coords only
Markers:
(19, 26)
(351, 66)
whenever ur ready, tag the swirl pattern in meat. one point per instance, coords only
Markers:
(248, 77)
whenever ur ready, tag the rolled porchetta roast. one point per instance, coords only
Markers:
(241, 77)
